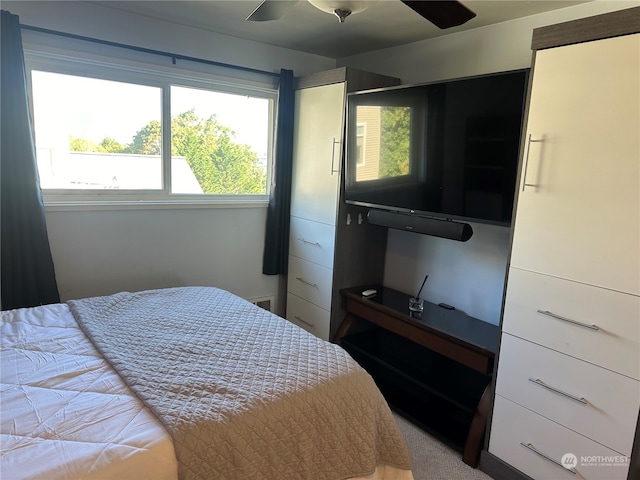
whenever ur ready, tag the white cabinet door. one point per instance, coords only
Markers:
(317, 151)
(578, 216)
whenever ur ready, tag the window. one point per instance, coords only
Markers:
(220, 140)
(94, 134)
(116, 134)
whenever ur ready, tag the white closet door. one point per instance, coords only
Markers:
(317, 151)
(578, 216)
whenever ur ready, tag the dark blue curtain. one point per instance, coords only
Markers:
(276, 245)
(27, 273)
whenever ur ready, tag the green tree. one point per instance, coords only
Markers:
(147, 140)
(82, 145)
(395, 147)
(219, 163)
(109, 145)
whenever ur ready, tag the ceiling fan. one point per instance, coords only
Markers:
(442, 13)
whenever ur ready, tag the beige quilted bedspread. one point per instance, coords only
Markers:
(244, 394)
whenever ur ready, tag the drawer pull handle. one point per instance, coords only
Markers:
(300, 279)
(333, 156)
(309, 242)
(526, 163)
(565, 319)
(537, 381)
(301, 320)
(544, 455)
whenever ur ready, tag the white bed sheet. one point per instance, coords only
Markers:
(65, 413)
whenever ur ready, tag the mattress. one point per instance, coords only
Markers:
(191, 383)
(66, 414)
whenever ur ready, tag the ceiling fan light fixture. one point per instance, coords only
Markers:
(342, 8)
(342, 14)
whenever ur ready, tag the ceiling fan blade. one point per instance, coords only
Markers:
(270, 10)
(442, 13)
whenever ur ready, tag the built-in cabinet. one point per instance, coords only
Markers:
(319, 219)
(567, 392)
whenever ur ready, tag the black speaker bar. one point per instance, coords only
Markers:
(429, 226)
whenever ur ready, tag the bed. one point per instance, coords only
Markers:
(185, 383)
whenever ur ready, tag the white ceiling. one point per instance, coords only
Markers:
(386, 23)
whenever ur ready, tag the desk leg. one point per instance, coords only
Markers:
(344, 328)
(475, 437)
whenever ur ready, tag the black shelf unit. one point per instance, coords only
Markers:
(437, 393)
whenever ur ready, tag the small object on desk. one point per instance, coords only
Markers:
(416, 304)
(369, 293)
(447, 306)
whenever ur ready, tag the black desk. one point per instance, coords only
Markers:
(434, 367)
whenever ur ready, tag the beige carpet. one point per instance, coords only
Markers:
(432, 460)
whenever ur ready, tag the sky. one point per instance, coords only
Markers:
(93, 109)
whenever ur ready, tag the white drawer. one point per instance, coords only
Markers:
(308, 316)
(312, 241)
(513, 425)
(310, 281)
(608, 417)
(616, 345)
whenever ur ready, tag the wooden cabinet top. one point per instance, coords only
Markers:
(452, 325)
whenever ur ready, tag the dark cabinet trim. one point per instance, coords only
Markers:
(598, 27)
(355, 79)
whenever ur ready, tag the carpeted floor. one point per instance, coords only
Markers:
(432, 460)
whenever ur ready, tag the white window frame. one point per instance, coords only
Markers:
(162, 78)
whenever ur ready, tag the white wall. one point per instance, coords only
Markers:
(94, 20)
(469, 275)
(97, 252)
(105, 251)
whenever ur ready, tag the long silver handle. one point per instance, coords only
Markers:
(314, 285)
(547, 457)
(537, 381)
(303, 240)
(526, 163)
(565, 319)
(333, 156)
(303, 321)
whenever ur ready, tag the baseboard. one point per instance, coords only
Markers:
(499, 470)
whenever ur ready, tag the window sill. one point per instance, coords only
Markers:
(81, 205)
